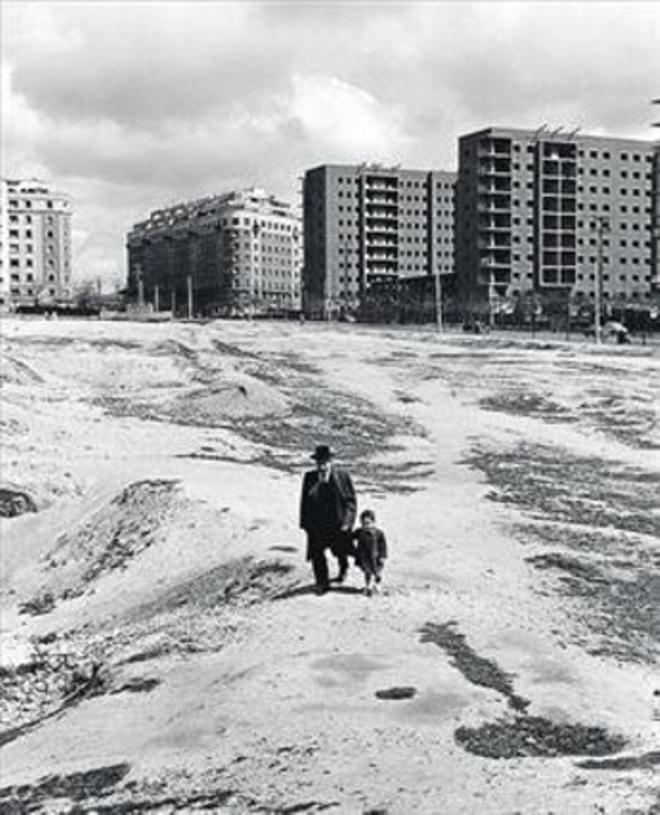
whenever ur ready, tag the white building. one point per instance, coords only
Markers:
(35, 243)
(230, 253)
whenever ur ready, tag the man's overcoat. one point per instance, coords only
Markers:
(344, 509)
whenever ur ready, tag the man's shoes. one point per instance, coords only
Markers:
(368, 591)
(322, 588)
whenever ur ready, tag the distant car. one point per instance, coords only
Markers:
(617, 330)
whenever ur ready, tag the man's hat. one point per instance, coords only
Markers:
(322, 453)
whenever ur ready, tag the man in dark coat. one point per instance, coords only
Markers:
(327, 513)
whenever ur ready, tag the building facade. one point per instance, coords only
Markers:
(545, 214)
(228, 254)
(367, 226)
(35, 243)
(655, 276)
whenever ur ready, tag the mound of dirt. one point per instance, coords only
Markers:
(15, 502)
(14, 371)
(50, 679)
(244, 397)
(241, 580)
(114, 535)
(523, 403)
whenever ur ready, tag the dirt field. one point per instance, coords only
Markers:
(162, 649)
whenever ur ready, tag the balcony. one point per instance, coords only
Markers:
(383, 268)
(494, 147)
(499, 203)
(381, 242)
(495, 258)
(559, 150)
(502, 185)
(388, 215)
(381, 228)
(387, 197)
(500, 277)
(381, 260)
(495, 222)
(502, 241)
(379, 252)
(377, 182)
(495, 166)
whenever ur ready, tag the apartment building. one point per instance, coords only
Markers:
(655, 265)
(35, 243)
(542, 211)
(233, 253)
(367, 226)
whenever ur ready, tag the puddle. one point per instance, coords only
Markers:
(346, 668)
(432, 706)
(476, 669)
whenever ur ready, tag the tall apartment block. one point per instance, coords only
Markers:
(655, 277)
(530, 206)
(35, 243)
(367, 225)
(234, 252)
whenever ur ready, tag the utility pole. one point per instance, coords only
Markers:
(190, 297)
(173, 300)
(491, 298)
(569, 295)
(437, 286)
(140, 287)
(603, 227)
(156, 298)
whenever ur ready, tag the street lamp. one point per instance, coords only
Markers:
(602, 227)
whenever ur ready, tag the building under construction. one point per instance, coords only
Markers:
(234, 254)
(548, 216)
(367, 227)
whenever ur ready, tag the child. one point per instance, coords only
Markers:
(371, 549)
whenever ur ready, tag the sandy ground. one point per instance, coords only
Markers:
(162, 650)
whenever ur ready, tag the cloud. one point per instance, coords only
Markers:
(130, 106)
(344, 122)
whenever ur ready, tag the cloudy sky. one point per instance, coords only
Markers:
(129, 106)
